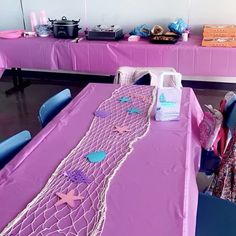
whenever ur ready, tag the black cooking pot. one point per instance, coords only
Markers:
(65, 28)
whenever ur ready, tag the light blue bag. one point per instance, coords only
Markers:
(178, 26)
(142, 31)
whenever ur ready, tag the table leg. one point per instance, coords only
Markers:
(18, 83)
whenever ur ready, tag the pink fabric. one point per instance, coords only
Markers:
(103, 57)
(167, 203)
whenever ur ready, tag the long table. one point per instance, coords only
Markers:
(104, 57)
(153, 193)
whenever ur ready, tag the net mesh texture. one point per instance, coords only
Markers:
(42, 217)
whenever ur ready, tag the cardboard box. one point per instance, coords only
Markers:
(219, 29)
(219, 34)
(219, 42)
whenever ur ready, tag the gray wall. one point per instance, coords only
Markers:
(10, 17)
(126, 13)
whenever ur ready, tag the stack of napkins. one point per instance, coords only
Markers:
(168, 104)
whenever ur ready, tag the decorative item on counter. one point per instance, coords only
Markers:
(142, 31)
(42, 30)
(65, 28)
(33, 21)
(179, 26)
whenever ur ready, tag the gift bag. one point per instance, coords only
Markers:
(168, 98)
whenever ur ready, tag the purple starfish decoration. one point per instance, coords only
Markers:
(102, 114)
(77, 176)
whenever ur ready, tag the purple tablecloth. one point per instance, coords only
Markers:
(154, 192)
(103, 57)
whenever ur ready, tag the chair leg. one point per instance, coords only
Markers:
(18, 83)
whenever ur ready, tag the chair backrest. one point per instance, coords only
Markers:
(126, 75)
(215, 216)
(11, 146)
(53, 106)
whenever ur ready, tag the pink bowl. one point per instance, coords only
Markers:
(11, 34)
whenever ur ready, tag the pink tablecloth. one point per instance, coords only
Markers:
(155, 191)
(103, 57)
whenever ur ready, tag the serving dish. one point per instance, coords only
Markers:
(164, 39)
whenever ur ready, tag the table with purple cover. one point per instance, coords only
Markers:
(153, 193)
(104, 57)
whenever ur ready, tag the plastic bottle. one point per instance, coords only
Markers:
(43, 18)
(33, 20)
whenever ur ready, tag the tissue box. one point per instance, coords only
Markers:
(168, 104)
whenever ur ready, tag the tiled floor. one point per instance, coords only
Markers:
(19, 111)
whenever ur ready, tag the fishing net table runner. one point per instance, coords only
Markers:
(119, 122)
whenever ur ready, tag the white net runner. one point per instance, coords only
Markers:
(42, 217)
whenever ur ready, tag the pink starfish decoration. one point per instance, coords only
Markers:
(68, 198)
(121, 129)
(143, 98)
(147, 99)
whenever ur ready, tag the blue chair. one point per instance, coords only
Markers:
(53, 106)
(144, 80)
(11, 146)
(215, 217)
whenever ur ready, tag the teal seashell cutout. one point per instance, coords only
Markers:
(95, 157)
